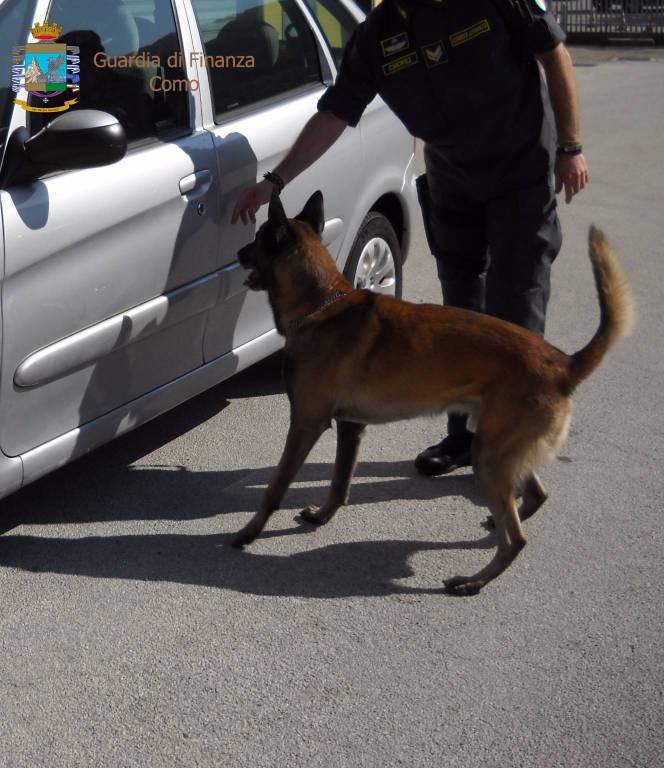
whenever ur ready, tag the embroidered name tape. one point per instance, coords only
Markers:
(470, 33)
(392, 67)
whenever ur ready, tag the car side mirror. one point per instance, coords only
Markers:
(87, 138)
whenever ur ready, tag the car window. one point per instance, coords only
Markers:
(255, 50)
(337, 24)
(130, 64)
(15, 21)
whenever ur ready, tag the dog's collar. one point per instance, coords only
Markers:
(294, 324)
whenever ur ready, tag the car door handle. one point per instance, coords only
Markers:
(196, 182)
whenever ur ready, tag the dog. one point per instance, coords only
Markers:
(361, 358)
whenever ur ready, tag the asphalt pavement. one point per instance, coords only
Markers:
(133, 635)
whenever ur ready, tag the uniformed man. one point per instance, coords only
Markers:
(462, 75)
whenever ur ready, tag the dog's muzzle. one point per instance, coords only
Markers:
(245, 257)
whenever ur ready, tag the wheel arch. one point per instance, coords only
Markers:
(391, 207)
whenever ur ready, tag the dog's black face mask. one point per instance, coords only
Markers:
(276, 238)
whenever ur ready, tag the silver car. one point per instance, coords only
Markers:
(128, 128)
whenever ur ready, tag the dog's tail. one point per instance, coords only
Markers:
(615, 304)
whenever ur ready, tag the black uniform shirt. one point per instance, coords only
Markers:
(461, 75)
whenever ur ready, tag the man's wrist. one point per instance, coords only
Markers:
(569, 148)
(276, 179)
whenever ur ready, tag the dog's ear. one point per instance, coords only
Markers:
(278, 223)
(313, 213)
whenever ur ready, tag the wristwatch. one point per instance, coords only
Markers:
(275, 179)
(569, 148)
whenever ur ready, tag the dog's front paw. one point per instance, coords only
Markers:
(311, 514)
(463, 586)
(317, 515)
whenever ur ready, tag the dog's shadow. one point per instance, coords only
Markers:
(368, 568)
(365, 568)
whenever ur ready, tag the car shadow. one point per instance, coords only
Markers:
(94, 476)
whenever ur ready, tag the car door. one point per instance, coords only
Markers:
(109, 272)
(254, 114)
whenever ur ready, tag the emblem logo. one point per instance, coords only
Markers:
(395, 44)
(46, 69)
(434, 54)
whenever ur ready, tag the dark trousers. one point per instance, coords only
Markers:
(493, 255)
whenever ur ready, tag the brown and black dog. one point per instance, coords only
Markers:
(362, 358)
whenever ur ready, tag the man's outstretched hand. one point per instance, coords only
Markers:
(572, 173)
(251, 200)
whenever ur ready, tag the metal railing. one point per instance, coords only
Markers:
(608, 20)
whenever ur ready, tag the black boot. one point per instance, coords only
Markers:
(451, 453)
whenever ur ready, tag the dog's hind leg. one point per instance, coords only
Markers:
(299, 442)
(511, 541)
(496, 480)
(534, 495)
(349, 437)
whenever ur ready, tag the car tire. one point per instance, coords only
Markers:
(374, 261)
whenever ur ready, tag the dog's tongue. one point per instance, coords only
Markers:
(252, 282)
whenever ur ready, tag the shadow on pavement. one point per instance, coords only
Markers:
(176, 493)
(91, 481)
(104, 486)
(366, 568)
